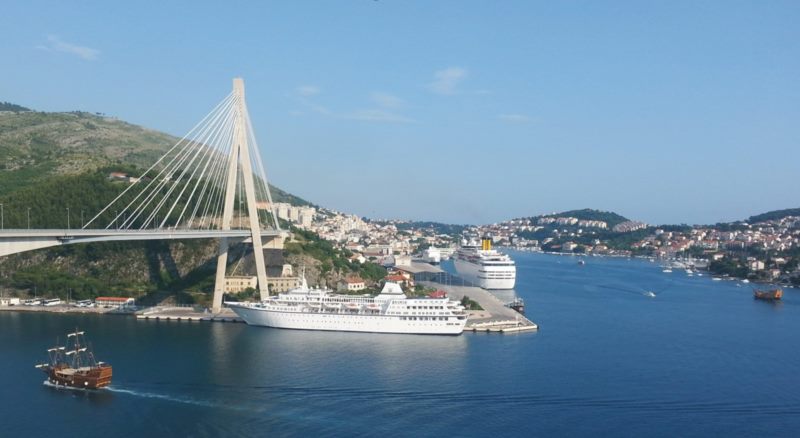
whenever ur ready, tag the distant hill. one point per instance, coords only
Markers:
(35, 146)
(437, 227)
(51, 161)
(8, 106)
(773, 215)
(590, 215)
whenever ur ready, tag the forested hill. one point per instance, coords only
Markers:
(35, 146)
(589, 214)
(54, 164)
(773, 215)
(8, 106)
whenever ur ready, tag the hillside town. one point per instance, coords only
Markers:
(765, 250)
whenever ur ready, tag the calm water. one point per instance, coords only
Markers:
(702, 358)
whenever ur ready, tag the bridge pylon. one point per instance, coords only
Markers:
(239, 160)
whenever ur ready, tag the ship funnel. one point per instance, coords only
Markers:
(486, 244)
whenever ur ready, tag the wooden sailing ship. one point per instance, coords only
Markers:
(74, 365)
(768, 295)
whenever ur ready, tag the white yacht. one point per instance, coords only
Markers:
(432, 255)
(389, 312)
(484, 266)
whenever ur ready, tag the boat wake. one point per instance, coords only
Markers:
(255, 398)
(433, 399)
(69, 388)
(644, 292)
(153, 395)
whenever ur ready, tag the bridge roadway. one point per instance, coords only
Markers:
(15, 241)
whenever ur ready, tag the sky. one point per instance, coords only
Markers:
(454, 111)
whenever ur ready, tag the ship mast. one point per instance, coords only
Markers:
(76, 352)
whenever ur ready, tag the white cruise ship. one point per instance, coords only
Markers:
(484, 266)
(389, 312)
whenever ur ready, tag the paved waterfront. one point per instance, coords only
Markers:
(417, 267)
(196, 313)
(63, 308)
(494, 313)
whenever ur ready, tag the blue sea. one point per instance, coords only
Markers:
(701, 358)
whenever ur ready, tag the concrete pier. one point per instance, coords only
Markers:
(186, 314)
(495, 316)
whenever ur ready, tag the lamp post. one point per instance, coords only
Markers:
(2, 218)
(29, 218)
(68, 218)
(83, 224)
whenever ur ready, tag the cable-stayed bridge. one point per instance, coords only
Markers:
(210, 184)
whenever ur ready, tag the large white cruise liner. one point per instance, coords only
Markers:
(388, 312)
(484, 266)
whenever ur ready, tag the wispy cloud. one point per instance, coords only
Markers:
(378, 115)
(308, 90)
(446, 81)
(386, 100)
(384, 108)
(516, 118)
(56, 44)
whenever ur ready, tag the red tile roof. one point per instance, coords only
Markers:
(438, 294)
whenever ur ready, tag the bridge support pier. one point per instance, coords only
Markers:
(240, 156)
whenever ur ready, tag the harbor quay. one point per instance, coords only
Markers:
(495, 316)
(172, 313)
(65, 308)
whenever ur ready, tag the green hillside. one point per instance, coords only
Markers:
(8, 106)
(53, 161)
(436, 227)
(35, 146)
(589, 214)
(774, 215)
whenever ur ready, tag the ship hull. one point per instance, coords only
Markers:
(769, 295)
(346, 323)
(95, 378)
(482, 275)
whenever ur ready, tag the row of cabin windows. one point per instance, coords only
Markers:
(424, 318)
